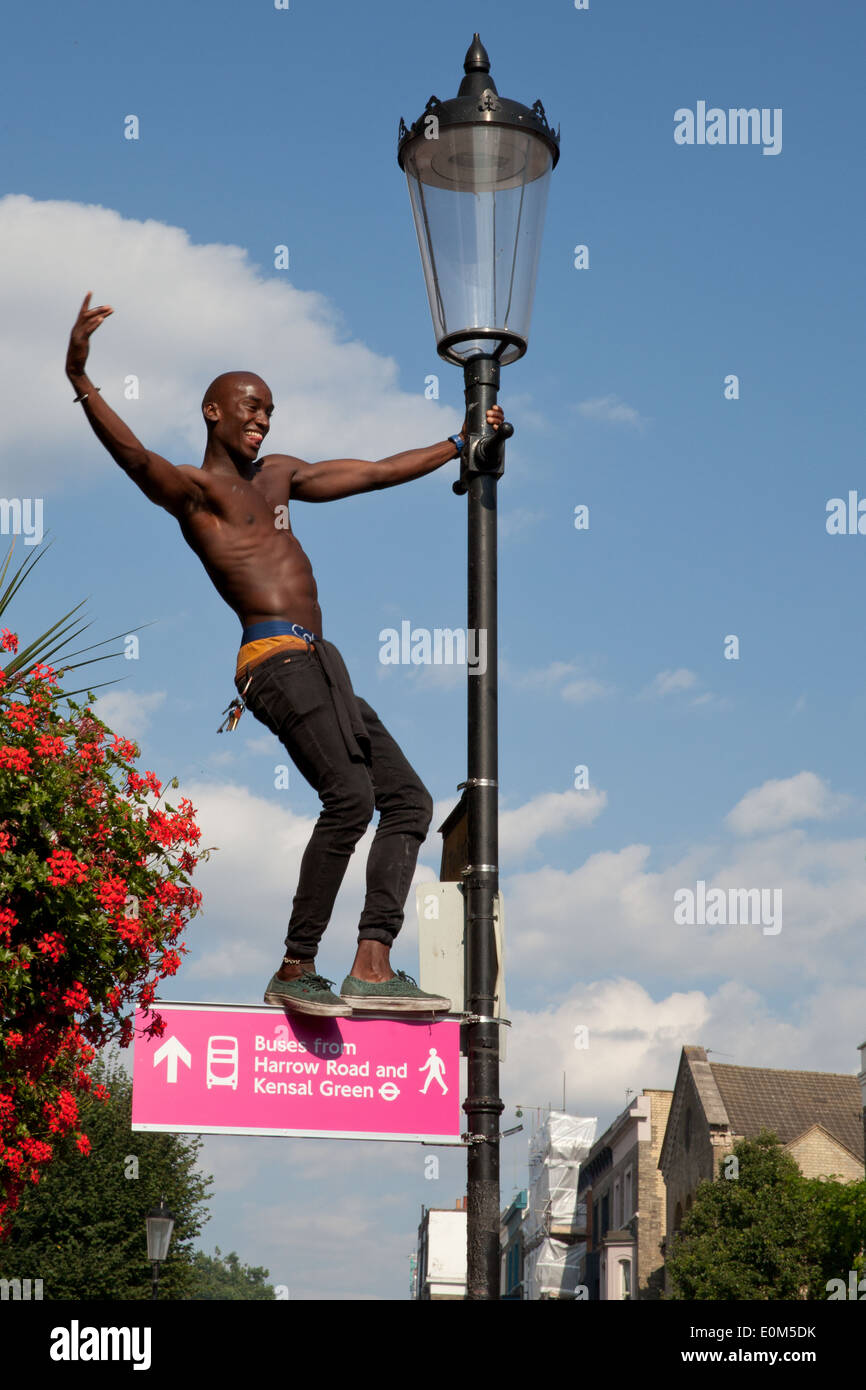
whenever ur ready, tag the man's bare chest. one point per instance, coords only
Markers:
(249, 504)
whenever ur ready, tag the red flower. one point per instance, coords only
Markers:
(83, 1144)
(65, 867)
(76, 997)
(43, 673)
(50, 747)
(90, 753)
(21, 717)
(8, 920)
(170, 963)
(51, 944)
(111, 894)
(37, 1149)
(9, 642)
(17, 759)
(63, 1115)
(124, 747)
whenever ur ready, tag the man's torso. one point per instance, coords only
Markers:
(240, 531)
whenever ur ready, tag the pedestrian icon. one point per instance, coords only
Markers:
(222, 1052)
(435, 1068)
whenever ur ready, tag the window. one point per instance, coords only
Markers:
(628, 1203)
(625, 1280)
(617, 1206)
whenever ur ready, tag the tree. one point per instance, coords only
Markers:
(81, 1230)
(841, 1217)
(224, 1277)
(756, 1236)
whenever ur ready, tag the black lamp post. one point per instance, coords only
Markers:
(160, 1224)
(478, 168)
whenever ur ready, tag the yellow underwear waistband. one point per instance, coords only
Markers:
(251, 653)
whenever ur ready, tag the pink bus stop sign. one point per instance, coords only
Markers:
(253, 1069)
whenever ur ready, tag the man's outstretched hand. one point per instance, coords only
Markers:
(79, 339)
(495, 417)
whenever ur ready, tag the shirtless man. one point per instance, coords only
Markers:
(233, 512)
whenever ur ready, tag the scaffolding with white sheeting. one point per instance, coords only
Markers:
(554, 1231)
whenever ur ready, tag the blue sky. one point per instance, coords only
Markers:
(707, 516)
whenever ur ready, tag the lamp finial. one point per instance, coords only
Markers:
(476, 59)
(476, 66)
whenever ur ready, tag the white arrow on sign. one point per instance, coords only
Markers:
(172, 1051)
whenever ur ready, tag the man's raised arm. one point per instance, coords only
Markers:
(158, 479)
(335, 478)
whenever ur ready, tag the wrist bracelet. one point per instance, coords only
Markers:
(458, 441)
(84, 395)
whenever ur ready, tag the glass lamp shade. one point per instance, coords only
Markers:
(160, 1224)
(479, 195)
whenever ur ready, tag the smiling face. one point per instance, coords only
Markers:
(237, 407)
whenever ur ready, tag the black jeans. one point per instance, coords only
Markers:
(296, 694)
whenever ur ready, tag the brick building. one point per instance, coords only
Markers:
(817, 1116)
(624, 1193)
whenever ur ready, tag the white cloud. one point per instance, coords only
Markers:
(784, 801)
(671, 682)
(260, 743)
(580, 692)
(249, 882)
(551, 812)
(183, 313)
(635, 1040)
(510, 524)
(534, 678)
(520, 405)
(612, 411)
(613, 906)
(127, 712)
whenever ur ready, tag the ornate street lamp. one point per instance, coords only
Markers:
(478, 168)
(160, 1224)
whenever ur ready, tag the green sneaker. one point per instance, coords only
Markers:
(308, 994)
(401, 994)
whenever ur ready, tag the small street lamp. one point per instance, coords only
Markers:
(160, 1224)
(478, 168)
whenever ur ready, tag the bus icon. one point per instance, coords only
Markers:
(222, 1062)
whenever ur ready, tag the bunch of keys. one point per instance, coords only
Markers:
(234, 711)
